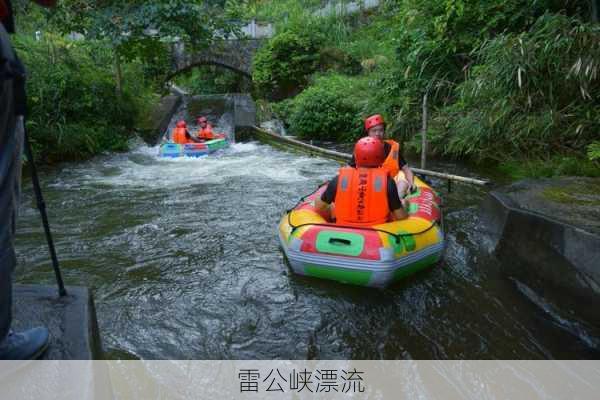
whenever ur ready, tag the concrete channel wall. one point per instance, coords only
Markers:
(547, 250)
(159, 120)
(241, 105)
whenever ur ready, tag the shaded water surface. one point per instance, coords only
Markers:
(184, 262)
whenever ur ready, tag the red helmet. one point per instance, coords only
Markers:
(181, 124)
(373, 120)
(368, 152)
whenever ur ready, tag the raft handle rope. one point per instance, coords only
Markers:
(397, 236)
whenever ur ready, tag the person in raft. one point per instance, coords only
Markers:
(205, 132)
(394, 162)
(181, 135)
(366, 194)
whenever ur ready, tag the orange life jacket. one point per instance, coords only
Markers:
(391, 161)
(179, 136)
(361, 196)
(206, 133)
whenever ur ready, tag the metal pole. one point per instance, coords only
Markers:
(424, 133)
(42, 207)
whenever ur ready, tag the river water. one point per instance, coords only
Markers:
(184, 262)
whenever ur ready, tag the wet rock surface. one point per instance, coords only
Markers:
(571, 200)
(547, 235)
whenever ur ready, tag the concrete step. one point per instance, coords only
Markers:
(74, 333)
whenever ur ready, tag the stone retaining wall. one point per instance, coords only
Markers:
(551, 247)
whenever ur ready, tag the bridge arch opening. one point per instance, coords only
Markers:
(212, 78)
(233, 54)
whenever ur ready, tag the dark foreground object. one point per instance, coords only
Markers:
(547, 235)
(74, 333)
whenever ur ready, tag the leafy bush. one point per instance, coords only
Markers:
(434, 49)
(283, 110)
(535, 93)
(593, 151)
(322, 115)
(328, 110)
(74, 108)
(283, 65)
(334, 59)
(332, 108)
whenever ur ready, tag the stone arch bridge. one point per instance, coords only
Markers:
(235, 55)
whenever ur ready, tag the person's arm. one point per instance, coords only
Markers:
(189, 136)
(352, 162)
(408, 174)
(320, 205)
(400, 213)
(397, 206)
(328, 196)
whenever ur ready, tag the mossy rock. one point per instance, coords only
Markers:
(588, 194)
(573, 200)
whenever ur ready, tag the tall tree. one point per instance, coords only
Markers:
(137, 28)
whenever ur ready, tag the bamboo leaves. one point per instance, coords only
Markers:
(539, 87)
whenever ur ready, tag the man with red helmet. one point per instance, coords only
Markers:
(394, 162)
(31, 343)
(364, 195)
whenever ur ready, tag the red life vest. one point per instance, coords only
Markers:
(361, 196)
(391, 161)
(206, 132)
(179, 136)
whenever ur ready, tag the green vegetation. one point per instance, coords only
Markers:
(510, 83)
(74, 108)
(583, 195)
(554, 165)
(282, 66)
(593, 151)
(141, 28)
(318, 113)
(540, 93)
(89, 95)
(210, 79)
